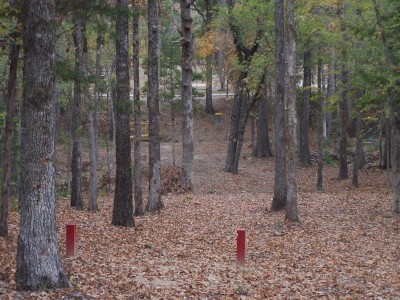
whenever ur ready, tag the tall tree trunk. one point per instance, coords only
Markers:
(344, 114)
(209, 101)
(330, 94)
(92, 195)
(123, 205)
(291, 212)
(235, 122)
(320, 127)
(305, 157)
(279, 198)
(263, 148)
(76, 160)
(155, 202)
(11, 99)
(137, 114)
(38, 262)
(99, 44)
(187, 105)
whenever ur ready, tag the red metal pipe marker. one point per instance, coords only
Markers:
(70, 243)
(241, 241)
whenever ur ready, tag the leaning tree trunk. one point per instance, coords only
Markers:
(9, 126)
(137, 117)
(155, 202)
(187, 105)
(279, 199)
(123, 205)
(76, 160)
(38, 262)
(291, 212)
(305, 157)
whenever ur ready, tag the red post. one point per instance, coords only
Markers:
(70, 244)
(241, 241)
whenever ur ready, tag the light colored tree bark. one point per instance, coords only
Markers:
(187, 176)
(38, 262)
(137, 117)
(291, 212)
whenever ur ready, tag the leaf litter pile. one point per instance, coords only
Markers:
(347, 244)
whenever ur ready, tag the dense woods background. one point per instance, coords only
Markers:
(92, 93)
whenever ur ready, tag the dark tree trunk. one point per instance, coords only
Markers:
(209, 101)
(343, 170)
(155, 202)
(76, 160)
(38, 262)
(358, 150)
(240, 108)
(291, 213)
(137, 118)
(330, 94)
(235, 122)
(187, 106)
(305, 157)
(11, 99)
(123, 206)
(262, 148)
(279, 199)
(320, 128)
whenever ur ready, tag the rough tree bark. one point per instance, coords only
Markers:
(76, 160)
(305, 156)
(123, 205)
(155, 202)
(187, 105)
(38, 262)
(291, 212)
(137, 115)
(279, 198)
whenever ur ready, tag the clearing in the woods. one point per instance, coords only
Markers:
(347, 244)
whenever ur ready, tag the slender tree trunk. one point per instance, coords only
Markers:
(343, 170)
(137, 117)
(358, 150)
(262, 148)
(305, 157)
(330, 94)
(320, 127)
(123, 205)
(187, 105)
(38, 262)
(92, 195)
(279, 198)
(155, 202)
(76, 161)
(291, 212)
(235, 122)
(209, 101)
(11, 99)
(99, 44)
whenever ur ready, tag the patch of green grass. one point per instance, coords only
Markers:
(241, 290)
(62, 191)
(329, 159)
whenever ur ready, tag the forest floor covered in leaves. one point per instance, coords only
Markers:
(347, 245)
